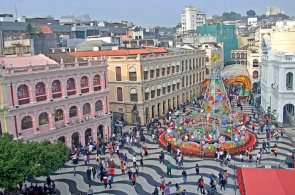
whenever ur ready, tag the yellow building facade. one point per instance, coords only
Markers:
(143, 86)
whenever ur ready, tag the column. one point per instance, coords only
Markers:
(64, 87)
(32, 93)
(106, 80)
(82, 137)
(94, 134)
(66, 117)
(80, 113)
(18, 125)
(51, 120)
(5, 95)
(90, 83)
(35, 122)
(78, 88)
(49, 91)
(8, 125)
(14, 92)
(92, 107)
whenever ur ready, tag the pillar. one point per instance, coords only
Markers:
(35, 122)
(90, 83)
(15, 97)
(32, 93)
(94, 134)
(78, 88)
(5, 94)
(64, 87)
(18, 124)
(49, 91)
(66, 117)
(51, 120)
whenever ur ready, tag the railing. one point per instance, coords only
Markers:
(8, 70)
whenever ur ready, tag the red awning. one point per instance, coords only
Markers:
(260, 181)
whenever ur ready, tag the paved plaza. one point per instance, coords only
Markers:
(67, 183)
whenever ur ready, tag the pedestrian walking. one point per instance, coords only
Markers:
(197, 169)
(89, 173)
(129, 174)
(105, 182)
(141, 163)
(133, 178)
(264, 145)
(156, 191)
(74, 171)
(184, 176)
(201, 185)
(110, 180)
(282, 132)
(169, 168)
(93, 172)
(134, 160)
(122, 168)
(162, 157)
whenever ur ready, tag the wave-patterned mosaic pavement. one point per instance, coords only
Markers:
(67, 183)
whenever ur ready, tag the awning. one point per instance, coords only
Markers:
(132, 69)
(152, 67)
(178, 80)
(174, 82)
(169, 83)
(147, 90)
(159, 87)
(145, 69)
(157, 67)
(164, 85)
(133, 91)
(163, 65)
(173, 63)
(257, 96)
(168, 65)
(153, 88)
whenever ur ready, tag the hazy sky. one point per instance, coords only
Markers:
(145, 13)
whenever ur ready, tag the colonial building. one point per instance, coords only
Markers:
(239, 56)
(144, 83)
(277, 82)
(44, 99)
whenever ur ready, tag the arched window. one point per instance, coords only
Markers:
(96, 83)
(239, 55)
(233, 56)
(58, 115)
(119, 94)
(133, 95)
(98, 106)
(186, 65)
(118, 74)
(71, 88)
(255, 74)
(242, 56)
(23, 94)
(182, 65)
(132, 74)
(26, 123)
(289, 81)
(43, 119)
(84, 84)
(56, 89)
(40, 92)
(73, 112)
(86, 109)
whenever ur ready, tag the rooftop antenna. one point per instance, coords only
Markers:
(225, 6)
(15, 11)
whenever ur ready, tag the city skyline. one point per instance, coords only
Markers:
(151, 14)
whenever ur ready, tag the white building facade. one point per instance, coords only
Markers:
(191, 19)
(277, 83)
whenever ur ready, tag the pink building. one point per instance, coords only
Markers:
(43, 99)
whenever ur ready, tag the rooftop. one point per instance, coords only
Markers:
(66, 57)
(124, 52)
(22, 61)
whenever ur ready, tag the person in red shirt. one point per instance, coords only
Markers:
(105, 181)
(282, 132)
(253, 126)
(112, 171)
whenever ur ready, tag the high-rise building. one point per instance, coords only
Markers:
(225, 34)
(191, 19)
(273, 10)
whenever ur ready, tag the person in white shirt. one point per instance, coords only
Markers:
(90, 148)
(228, 157)
(128, 140)
(241, 157)
(134, 161)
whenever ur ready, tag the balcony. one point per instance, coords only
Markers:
(25, 100)
(40, 98)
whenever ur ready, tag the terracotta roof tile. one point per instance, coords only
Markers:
(46, 29)
(124, 52)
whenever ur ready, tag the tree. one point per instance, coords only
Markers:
(19, 159)
(31, 29)
(231, 16)
(251, 13)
